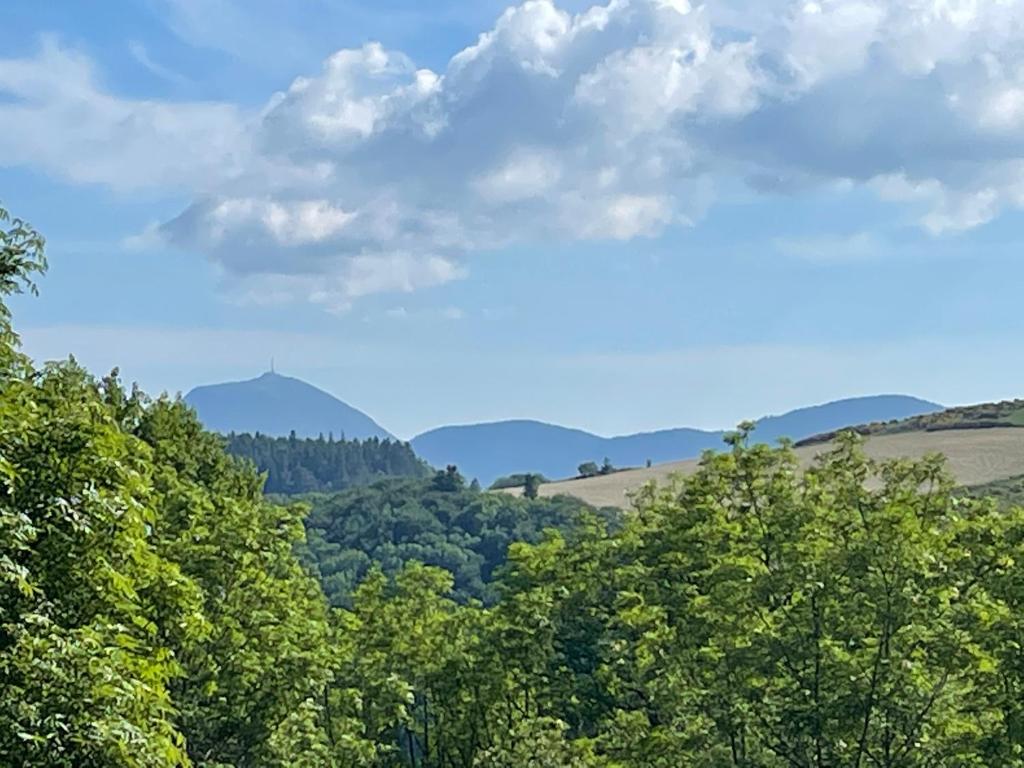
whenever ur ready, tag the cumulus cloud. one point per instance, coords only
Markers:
(617, 122)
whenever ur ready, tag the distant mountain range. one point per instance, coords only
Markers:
(488, 451)
(276, 405)
(273, 404)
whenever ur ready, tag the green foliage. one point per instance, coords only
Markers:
(84, 664)
(591, 469)
(295, 466)
(531, 486)
(1007, 493)
(438, 522)
(265, 652)
(448, 480)
(537, 743)
(22, 256)
(752, 615)
(152, 609)
(516, 481)
(755, 615)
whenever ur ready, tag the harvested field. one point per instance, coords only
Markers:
(975, 456)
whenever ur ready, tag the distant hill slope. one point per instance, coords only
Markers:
(276, 405)
(989, 461)
(1006, 413)
(488, 451)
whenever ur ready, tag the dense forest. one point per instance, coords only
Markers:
(439, 522)
(295, 466)
(154, 611)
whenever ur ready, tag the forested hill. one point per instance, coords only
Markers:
(441, 521)
(296, 465)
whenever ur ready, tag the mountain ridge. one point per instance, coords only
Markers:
(491, 449)
(276, 405)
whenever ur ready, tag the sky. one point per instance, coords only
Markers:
(616, 216)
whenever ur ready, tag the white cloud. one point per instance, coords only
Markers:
(56, 116)
(349, 279)
(291, 223)
(963, 211)
(619, 217)
(827, 39)
(374, 175)
(524, 175)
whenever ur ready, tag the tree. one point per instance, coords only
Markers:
(152, 609)
(531, 486)
(90, 612)
(517, 480)
(22, 257)
(756, 614)
(589, 469)
(266, 650)
(307, 466)
(396, 521)
(538, 743)
(607, 468)
(449, 480)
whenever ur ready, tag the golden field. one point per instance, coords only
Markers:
(975, 457)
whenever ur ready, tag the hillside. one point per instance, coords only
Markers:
(487, 451)
(1006, 413)
(976, 457)
(439, 521)
(276, 405)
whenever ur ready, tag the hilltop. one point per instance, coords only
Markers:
(277, 405)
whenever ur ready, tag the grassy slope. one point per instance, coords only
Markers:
(977, 458)
(1008, 413)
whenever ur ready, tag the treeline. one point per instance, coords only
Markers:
(154, 612)
(439, 522)
(295, 466)
(324, 464)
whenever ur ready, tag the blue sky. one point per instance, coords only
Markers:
(618, 217)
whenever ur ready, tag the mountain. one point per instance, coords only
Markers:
(275, 405)
(488, 451)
